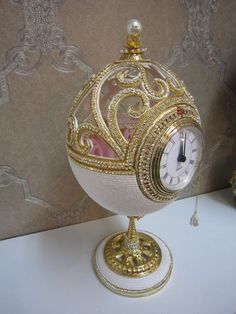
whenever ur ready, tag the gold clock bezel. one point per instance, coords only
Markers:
(155, 164)
(152, 148)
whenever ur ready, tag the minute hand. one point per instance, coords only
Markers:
(185, 135)
(181, 156)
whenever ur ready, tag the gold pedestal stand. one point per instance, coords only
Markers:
(132, 263)
(132, 253)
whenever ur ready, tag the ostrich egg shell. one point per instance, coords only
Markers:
(117, 193)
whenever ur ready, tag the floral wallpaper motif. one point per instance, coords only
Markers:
(198, 40)
(41, 40)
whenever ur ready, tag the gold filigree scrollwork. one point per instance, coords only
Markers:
(72, 128)
(101, 78)
(132, 80)
(85, 144)
(176, 90)
(127, 77)
(163, 89)
(174, 84)
(135, 113)
(83, 93)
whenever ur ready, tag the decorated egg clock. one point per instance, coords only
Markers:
(134, 143)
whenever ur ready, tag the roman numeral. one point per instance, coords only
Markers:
(171, 181)
(164, 166)
(191, 162)
(165, 176)
(194, 150)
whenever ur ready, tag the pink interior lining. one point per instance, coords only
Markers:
(102, 149)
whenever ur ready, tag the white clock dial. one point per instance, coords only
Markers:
(180, 158)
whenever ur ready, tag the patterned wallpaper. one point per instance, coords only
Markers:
(48, 49)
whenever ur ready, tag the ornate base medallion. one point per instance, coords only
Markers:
(132, 258)
(133, 284)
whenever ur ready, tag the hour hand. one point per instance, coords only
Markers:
(181, 156)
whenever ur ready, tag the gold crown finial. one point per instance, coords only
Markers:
(133, 46)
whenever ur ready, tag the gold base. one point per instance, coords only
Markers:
(132, 253)
(136, 258)
(120, 284)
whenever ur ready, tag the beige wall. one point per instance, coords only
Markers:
(194, 38)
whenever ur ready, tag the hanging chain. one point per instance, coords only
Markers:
(194, 220)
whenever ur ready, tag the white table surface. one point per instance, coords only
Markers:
(51, 272)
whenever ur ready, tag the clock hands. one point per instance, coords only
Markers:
(181, 156)
(185, 138)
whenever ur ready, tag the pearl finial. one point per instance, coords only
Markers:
(133, 46)
(134, 27)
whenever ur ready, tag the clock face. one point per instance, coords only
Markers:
(180, 158)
